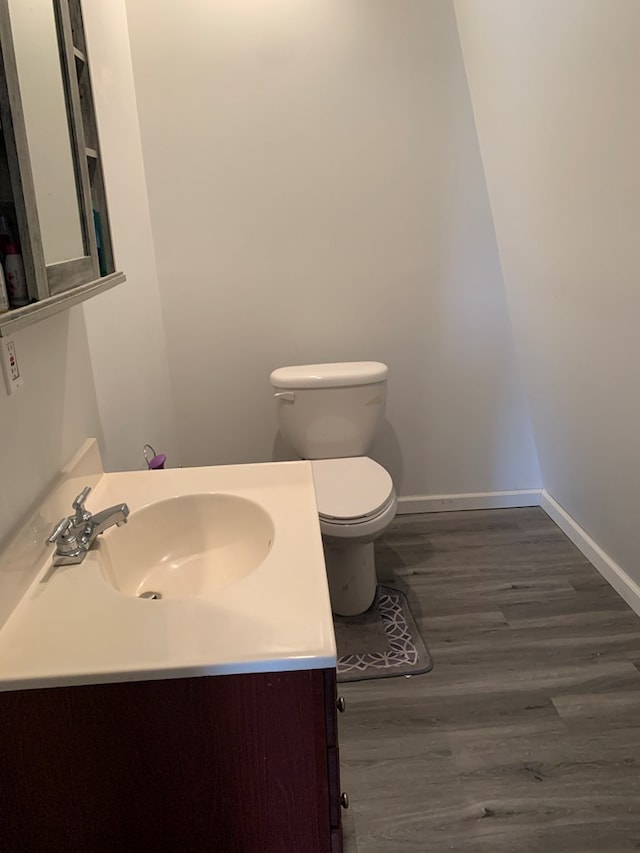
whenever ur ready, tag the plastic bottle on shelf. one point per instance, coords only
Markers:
(4, 299)
(15, 277)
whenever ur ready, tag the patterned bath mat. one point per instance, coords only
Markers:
(382, 642)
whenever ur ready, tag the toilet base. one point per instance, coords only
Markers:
(351, 572)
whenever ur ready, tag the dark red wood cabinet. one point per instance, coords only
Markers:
(231, 764)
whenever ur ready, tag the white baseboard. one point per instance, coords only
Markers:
(608, 568)
(473, 500)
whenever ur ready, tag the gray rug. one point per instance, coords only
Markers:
(382, 642)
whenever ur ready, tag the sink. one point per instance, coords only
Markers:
(235, 551)
(189, 545)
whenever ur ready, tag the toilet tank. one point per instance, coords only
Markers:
(328, 411)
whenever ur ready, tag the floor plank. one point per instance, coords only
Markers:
(526, 734)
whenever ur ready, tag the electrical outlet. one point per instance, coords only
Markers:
(12, 377)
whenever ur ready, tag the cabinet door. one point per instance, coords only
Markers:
(225, 764)
(52, 192)
(50, 143)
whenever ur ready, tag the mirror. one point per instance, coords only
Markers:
(35, 38)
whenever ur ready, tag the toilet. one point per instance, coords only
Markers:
(329, 414)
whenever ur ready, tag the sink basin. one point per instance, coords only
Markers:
(188, 545)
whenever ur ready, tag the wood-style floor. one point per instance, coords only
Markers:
(525, 737)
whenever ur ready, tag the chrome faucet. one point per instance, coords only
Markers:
(74, 535)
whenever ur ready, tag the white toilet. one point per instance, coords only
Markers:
(329, 413)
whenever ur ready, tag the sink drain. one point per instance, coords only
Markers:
(151, 595)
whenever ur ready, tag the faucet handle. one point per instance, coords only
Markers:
(67, 544)
(60, 531)
(81, 514)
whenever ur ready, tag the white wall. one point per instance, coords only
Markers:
(555, 93)
(43, 423)
(317, 194)
(125, 326)
(101, 368)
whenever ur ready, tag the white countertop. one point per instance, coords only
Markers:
(73, 627)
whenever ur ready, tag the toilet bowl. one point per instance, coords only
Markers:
(329, 413)
(356, 503)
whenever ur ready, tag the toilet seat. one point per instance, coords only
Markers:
(351, 490)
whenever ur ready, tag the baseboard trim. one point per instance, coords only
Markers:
(608, 568)
(472, 500)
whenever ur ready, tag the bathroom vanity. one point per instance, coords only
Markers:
(230, 763)
(202, 719)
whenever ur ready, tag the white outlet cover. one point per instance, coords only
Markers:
(12, 377)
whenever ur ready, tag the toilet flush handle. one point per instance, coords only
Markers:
(286, 396)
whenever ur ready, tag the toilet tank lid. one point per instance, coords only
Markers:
(332, 375)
